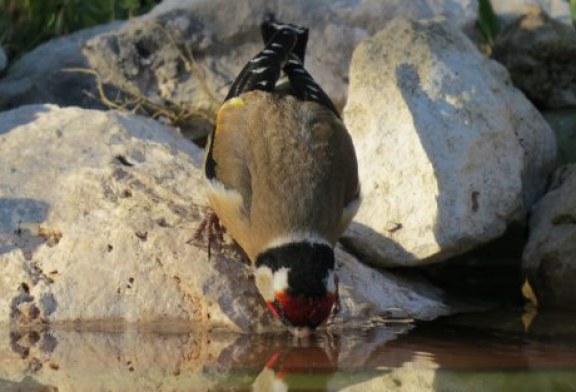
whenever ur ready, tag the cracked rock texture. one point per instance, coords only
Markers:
(449, 152)
(96, 209)
(187, 53)
(550, 255)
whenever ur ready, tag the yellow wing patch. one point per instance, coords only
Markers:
(230, 105)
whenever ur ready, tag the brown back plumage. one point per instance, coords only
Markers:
(291, 162)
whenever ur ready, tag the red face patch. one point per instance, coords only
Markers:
(302, 311)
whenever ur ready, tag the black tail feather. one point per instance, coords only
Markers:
(305, 87)
(270, 26)
(263, 71)
(285, 51)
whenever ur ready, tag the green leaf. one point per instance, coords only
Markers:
(488, 21)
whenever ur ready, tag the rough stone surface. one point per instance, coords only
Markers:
(539, 53)
(185, 54)
(96, 209)
(449, 152)
(550, 255)
(511, 9)
(44, 75)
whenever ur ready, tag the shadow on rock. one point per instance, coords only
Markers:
(19, 220)
(368, 245)
(22, 117)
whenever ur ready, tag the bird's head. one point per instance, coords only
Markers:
(297, 282)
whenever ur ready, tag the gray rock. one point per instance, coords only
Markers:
(511, 9)
(49, 74)
(185, 54)
(449, 152)
(96, 209)
(550, 255)
(3, 60)
(563, 122)
(539, 53)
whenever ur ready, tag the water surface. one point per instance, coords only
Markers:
(498, 351)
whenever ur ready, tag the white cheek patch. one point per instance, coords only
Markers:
(269, 283)
(281, 279)
(263, 278)
(329, 282)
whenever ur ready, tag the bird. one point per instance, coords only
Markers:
(282, 178)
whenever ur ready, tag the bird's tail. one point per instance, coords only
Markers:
(271, 26)
(302, 83)
(263, 71)
(284, 51)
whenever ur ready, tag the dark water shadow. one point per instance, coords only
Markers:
(23, 116)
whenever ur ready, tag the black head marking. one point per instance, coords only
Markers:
(308, 264)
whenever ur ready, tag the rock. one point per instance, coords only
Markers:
(50, 74)
(108, 242)
(184, 55)
(539, 53)
(511, 9)
(449, 152)
(563, 122)
(366, 292)
(3, 60)
(550, 255)
(96, 209)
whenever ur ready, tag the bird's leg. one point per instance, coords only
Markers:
(211, 230)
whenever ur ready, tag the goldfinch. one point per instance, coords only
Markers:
(283, 179)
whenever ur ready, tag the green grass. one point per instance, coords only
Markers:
(25, 24)
(573, 11)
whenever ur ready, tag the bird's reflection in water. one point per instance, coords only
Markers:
(312, 364)
(308, 368)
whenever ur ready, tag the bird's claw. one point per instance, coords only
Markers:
(211, 231)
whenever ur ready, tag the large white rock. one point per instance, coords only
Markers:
(550, 255)
(449, 152)
(96, 209)
(187, 53)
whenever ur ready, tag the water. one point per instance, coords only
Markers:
(482, 352)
